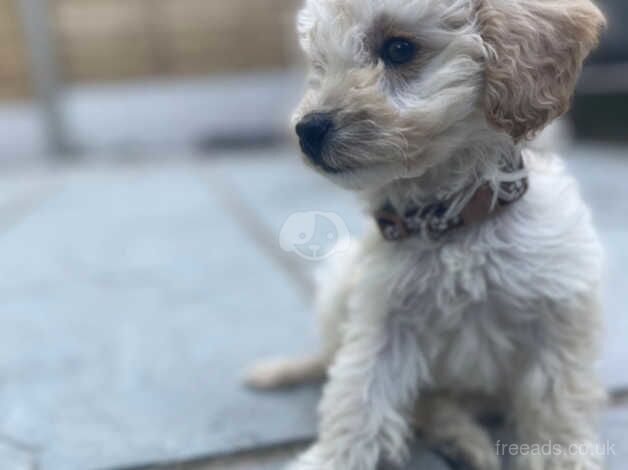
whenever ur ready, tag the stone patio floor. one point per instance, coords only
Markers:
(135, 295)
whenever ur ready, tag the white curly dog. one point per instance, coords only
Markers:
(479, 281)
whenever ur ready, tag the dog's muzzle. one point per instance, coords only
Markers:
(313, 131)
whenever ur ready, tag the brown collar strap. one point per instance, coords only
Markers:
(434, 220)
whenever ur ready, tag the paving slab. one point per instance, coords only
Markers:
(131, 305)
(15, 457)
(615, 438)
(279, 458)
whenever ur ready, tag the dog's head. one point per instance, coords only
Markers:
(396, 84)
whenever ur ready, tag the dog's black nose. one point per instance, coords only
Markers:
(312, 131)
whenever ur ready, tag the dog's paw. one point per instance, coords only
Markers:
(268, 374)
(300, 465)
(286, 372)
(310, 460)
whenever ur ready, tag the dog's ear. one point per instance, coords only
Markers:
(534, 54)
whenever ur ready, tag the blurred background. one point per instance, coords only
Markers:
(146, 171)
(142, 76)
(150, 76)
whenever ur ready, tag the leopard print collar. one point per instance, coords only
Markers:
(435, 220)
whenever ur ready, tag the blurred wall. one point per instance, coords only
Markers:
(14, 80)
(103, 40)
(110, 40)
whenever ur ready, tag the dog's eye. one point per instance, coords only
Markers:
(398, 51)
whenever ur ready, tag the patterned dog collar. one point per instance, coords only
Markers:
(434, 220)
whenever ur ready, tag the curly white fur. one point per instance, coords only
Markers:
(506, 309)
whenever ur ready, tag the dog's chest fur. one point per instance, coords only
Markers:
(447, 297)
(479, 301)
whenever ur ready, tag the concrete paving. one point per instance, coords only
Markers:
(132, 303)
(613, 445)
(135, 296)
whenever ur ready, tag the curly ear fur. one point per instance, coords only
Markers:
(535, 50)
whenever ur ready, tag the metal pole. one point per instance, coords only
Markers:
(35, 16)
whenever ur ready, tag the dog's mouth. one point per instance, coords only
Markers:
(328, 169)
(324, 162)
(331, 165)
(323, 166)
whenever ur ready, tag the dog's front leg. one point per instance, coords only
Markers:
(555, 417)
(366, 406)
(558, 427)
(557, 399)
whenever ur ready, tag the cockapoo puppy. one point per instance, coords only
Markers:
(480, 278)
